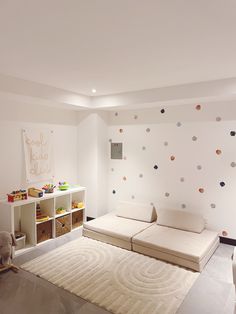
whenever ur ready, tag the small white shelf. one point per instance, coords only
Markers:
(21, 216)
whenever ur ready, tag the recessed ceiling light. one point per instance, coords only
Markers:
(94, 90)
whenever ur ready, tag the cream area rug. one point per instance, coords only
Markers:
(118, 280)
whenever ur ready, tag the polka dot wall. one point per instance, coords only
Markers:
(181, 157)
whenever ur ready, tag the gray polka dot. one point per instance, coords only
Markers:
(141, 175)
(199, 167)
(182, 179)
(165, 143)
(112, 169)
(133, 197)
(213, 205)
(218, 119)
(110, 140)
(183, 205)
(233, 164)
(194, 138)
(167, 194)
(148, 130)
(144, 148)
(135, 117)
(125, 158)
(116, 114)
(151, 204)
(178, 124)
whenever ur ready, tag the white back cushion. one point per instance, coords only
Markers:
(137, 211)
(180, 220)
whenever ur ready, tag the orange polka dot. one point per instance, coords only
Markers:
(224, 233)
(201, 190)
(198, 107)
(218, 151)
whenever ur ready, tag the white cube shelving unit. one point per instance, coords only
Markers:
(21, 216)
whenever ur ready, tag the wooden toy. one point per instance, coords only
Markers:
(18, 195)
(35, 192)
(77, 205)
(60, 210)
(39, 216)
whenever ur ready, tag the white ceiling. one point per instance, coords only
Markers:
(117, 46)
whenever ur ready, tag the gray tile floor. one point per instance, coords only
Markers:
(24, 293)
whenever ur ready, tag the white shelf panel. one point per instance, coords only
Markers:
(41, 222)
(60, 215)
(77, 209)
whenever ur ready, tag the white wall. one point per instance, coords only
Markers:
(176, 183)
(16, 116)
(93, 160)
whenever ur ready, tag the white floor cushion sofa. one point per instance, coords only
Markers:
(114, 228)
(176, 236)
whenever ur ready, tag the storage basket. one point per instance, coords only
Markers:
(77, 219)
(63, 225)
(44, 231)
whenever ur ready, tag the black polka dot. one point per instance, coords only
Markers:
(232, 133)
(222, 184)
(167, 194)
(148, 130)
(178, 124)
(233, 164)
(183, 206)
(155, 167)
(213, 205)
(116, 114)
(114, 192)
(162, 110)
(194, 138)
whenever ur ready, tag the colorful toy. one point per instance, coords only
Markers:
(77, 205)
(39, 216)
(63, 186)
(35, 192)
(18, 195)
(48, 188)
(60, 210)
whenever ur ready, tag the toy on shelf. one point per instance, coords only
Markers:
(63, 186)
(60, 210)
(35, 192)
(18, 195)
(77, 205)
(39, 216)
(48, 188)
